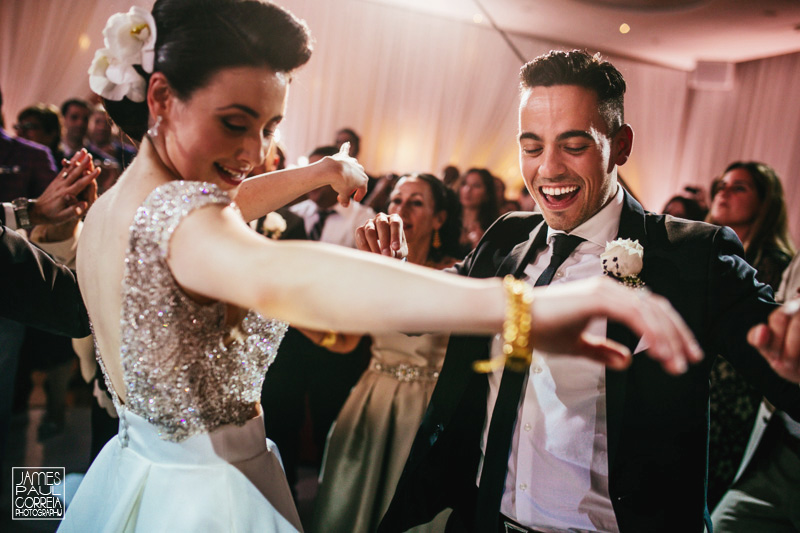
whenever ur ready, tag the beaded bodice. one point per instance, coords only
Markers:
(182, 369)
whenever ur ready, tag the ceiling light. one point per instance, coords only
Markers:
(624, 28)
(477, 18)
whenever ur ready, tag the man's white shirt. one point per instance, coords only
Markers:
(558, 466)
(341, 224)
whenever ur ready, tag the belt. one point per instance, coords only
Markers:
(509, 525)
(403, 372)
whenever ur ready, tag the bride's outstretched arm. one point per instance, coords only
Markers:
(261, 194)
(320, 286)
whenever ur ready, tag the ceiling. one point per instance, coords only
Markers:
(674, 33)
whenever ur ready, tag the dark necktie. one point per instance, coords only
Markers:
(504, 415)
(316, 229)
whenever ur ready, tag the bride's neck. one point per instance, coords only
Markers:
(155, 152)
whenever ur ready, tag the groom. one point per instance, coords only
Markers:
(590, 448)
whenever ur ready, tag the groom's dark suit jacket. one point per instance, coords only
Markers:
(37, 291)
(657, 423)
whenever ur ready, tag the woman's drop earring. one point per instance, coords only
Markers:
(437, 241)
(153, 131)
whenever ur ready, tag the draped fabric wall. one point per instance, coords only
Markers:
(425, 92)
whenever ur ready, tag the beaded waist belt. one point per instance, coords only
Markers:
(403, 372)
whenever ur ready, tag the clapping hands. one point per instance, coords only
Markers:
(70, 194)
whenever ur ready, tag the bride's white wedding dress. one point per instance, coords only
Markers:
(189, 456)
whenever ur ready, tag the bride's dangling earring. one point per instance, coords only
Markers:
(153, 131)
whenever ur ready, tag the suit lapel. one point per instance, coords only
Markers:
(631, 226)
(522, 254)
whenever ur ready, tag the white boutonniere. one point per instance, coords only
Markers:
(130, 39)
(274, 226)
(623, 260)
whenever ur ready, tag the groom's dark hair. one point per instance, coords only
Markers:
(578, 67)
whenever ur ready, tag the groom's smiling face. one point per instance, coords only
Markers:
(567, 156)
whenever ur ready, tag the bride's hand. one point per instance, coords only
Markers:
(561, 314)
(350, 180)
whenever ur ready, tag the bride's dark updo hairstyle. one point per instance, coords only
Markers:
(195, 39)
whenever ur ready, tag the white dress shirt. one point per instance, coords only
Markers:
(340, 226)
(558, 466)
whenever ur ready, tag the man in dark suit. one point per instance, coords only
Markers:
(37, 291)
(34, 289)
(586, 448)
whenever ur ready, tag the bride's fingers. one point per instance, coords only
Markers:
(665, 338)
(652, 317)
(605, 351)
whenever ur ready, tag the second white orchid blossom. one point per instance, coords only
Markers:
(129, 40)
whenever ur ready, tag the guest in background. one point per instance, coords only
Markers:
(26, 170)
(371, 438)
(348, 135)
(100, 134)
(292, 226)
(41, 123)
(748, 198)
(479, 206)
(378, 197)
(499, 190)
(765, 495)
(325, 219)
(35, 290)
(450, 175)
(76, 123)
(510, 205)
(684, 207)
(308, 383)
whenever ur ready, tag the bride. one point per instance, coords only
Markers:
(169, 269)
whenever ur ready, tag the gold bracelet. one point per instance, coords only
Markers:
(517, 326)
(517, 354)
(328, 339)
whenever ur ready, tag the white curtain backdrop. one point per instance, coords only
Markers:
(425, 92)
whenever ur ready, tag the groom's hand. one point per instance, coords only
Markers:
(779, 340)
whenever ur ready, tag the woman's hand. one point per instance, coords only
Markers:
(561, 314)
(383, 235)
(351, 181)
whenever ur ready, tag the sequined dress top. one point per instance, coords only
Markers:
(182, 371)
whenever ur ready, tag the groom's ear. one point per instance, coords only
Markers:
(621, 145)
(159, 95)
